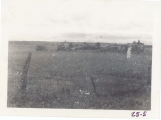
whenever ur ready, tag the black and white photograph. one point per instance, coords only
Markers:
(79, 75)
(86, 55)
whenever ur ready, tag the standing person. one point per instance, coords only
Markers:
(129, 51)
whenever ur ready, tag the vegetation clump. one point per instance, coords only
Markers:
(41, 48)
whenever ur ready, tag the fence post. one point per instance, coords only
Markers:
(94, 87)
(25, 71)
(149, 73)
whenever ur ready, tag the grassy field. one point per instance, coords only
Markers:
(64, 80)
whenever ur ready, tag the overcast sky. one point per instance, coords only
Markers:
(78, 20)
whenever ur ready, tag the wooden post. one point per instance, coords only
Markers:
(149, 73)
(94, 87)
(25, 71)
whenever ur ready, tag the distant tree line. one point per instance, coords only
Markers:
(69, 46)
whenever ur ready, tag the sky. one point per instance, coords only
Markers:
(78, 20)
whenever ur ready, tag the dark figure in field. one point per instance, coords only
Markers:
(98, 45)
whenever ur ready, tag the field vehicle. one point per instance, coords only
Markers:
(104, 48)
(136, 47)
(113, 48)
(61, 47)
